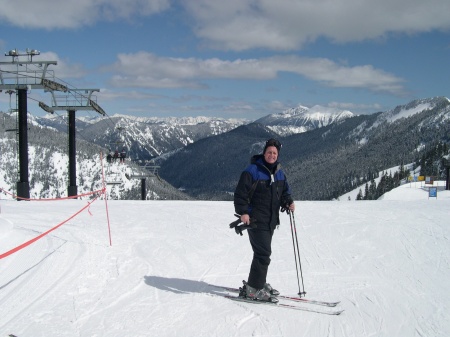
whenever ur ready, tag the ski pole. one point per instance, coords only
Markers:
(293, 246)
(291, 214)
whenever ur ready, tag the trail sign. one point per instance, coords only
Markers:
(432, 192)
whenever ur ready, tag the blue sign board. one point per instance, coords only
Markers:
(432, 193)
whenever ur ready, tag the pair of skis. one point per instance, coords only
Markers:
(291, 302)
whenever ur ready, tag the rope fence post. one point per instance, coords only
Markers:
(106, 198)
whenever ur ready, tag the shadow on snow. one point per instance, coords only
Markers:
(182, 286)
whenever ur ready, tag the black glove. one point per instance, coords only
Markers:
(239, 228)
(285, 206)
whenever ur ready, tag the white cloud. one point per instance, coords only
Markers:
(277, 106)
(111, 95)
(148, 70)
(355, 106)
(49, 14)
(63, 69)
(247, 24)
(289, 24)
(336, 75)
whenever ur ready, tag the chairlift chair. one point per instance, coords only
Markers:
(114, 179)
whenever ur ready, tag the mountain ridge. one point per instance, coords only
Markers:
(325, 162)
(205, 159)
(303, 119)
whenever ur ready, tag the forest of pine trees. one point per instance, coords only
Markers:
(387, 182)
(432, 164)
(433, 161)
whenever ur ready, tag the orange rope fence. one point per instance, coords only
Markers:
(97, 192)
(26, 244)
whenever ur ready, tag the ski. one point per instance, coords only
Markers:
(307, 300)
(289, 298)
(283, 305)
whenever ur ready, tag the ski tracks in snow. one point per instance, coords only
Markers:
(26, 281)
(388, 266)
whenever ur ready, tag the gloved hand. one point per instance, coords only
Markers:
(288, 207)
(242, 227)
(292, 207)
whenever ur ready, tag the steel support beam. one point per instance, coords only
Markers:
(23, 186)
(73, 189)
(143, 189)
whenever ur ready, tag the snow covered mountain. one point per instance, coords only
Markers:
(145, 138)
(302, 119)
(430, 113)
(338, 151)
(48, 167)
(322, 163)
(412, 108)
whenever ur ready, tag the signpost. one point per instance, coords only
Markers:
(432, 192)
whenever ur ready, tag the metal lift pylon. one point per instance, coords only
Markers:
(22, 75)
(74, 100)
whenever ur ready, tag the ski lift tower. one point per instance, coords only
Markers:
(152, 172)
(72, 101)
(23, 74)
(447, 171)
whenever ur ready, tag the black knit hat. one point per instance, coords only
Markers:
(272, 142)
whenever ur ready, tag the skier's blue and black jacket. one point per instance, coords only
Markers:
(261, 192)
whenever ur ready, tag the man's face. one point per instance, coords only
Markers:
(271, 154)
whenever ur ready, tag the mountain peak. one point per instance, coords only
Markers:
(412, 108)
(302, 119)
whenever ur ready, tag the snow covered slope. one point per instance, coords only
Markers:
(387, 261)
(302, 119)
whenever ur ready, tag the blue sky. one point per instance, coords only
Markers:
(235, 58)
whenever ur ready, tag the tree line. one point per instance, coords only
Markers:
(432, 164)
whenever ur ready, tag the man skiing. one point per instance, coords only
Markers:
(260, 193)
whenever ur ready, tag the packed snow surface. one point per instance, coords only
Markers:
(387, 261)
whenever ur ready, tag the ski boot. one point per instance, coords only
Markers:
(270, 290)
(257, 294)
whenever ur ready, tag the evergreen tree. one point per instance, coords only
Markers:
(366, 192)
(359, 196)
(372, 190)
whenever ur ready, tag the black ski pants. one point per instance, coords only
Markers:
(261, 241)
